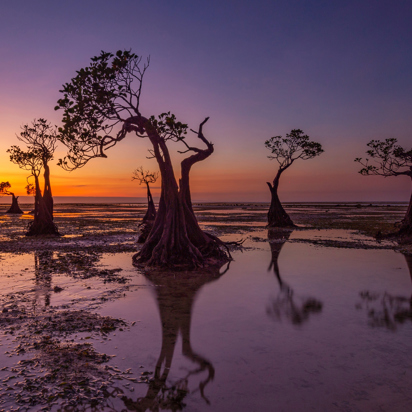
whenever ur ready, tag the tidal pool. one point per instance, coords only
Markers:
(287, 326)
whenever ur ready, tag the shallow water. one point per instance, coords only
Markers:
(338, 235)
(288, 327)
(329, 359)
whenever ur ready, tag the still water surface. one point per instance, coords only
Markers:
(250, 331)
(288, 327)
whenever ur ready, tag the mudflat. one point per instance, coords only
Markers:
(315, 318)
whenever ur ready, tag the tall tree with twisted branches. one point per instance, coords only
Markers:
(101, 106)
(387, 158)
(286, 150)
(4, 190)
(40, 138)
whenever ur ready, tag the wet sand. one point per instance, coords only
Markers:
(314, 319)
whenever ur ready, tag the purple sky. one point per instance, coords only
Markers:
(339, 70)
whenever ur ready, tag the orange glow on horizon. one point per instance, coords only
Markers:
(242, 176)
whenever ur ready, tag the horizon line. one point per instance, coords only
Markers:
(143, 200)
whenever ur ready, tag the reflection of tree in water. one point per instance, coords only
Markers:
(48, 262)
(286, 304)
(43, 275)
(76, 264)
(386, 310)
(175, 298)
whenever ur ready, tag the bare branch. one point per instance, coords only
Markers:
(144, 176)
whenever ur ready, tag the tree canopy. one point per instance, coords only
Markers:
(41, 140)
(296, 145)
(105, 95)
(144, 176)
(285, 150)
(4, 188)
(26, 159)
(386, 158)
(101, 105)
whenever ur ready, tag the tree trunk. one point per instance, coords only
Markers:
(176, 239)
(47, 193)
(151, 210)
(168, 244)
(406, 226)
(42, 223)
(14, 208)
(147, 223)
(277, 216)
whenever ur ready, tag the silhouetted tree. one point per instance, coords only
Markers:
(146, 177)
(101, 106)
(4, 190)
(390, 159)
(285, 151)
(41, 139)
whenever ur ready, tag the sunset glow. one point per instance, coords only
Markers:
(339, 72)
(205, 205)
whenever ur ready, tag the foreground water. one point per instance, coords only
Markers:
(287, 327)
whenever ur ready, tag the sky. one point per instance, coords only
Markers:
(339, 70)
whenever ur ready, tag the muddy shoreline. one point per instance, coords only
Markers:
(92, 229)
(55, 291)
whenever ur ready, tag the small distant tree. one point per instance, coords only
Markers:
(146, 177)
(285, 150)
(41, 140)
(101, 106)
(4, 190)
(387, 158)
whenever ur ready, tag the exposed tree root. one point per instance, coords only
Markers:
(145, 228)
(42, 228)
(403, 236)
(221, 243)
(15, 209)
(277, 216)
(213, 253)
